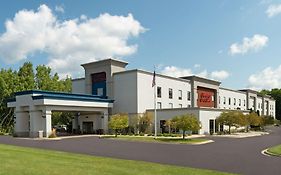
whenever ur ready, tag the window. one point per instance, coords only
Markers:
(188, 95)
(170, 93)
(188, 106)
(224, 100)
(239, 102)
(170, 105)
(100, 91)
(219, 99)
(229, 101)
(180, 94)
(159, 92)
(234, 101)
(159, 105)
(244, 102)
(180, 105)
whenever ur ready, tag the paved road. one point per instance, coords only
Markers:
(240, 156)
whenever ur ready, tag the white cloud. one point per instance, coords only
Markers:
(219, 75)
(59, 8)
(197, 66)
(182, 72)
(266, 79)
(176, 71)
(67, 43)
(273, 10)
(255, 43)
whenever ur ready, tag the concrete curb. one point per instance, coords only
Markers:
(242, 136)
(266, 153)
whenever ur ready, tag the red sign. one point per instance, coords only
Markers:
(205, 97)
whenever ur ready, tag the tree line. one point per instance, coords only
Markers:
(26, 78)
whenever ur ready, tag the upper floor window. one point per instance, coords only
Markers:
(159, 93)
(188, 95)
(180, 94)
(229, 101)
(170, 93)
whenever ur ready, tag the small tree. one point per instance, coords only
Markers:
(134, 123)
(186, 122)
(118, 122)
(168, 124)
(254, 119)
(230, 119)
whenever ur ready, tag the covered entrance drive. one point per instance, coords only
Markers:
(33, 110)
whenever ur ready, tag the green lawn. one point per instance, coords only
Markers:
(20, 161)
(276, 150)
(159, 139)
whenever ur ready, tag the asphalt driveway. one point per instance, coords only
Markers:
(242, 156)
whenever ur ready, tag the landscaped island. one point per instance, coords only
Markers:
(18, 160)
(276, 150)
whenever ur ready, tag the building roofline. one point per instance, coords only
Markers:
(151, 73)
(53, 93)
(70, 97)
(77, 79)
(238, 91)
(201, 79)
(249, 90)
(106, 60)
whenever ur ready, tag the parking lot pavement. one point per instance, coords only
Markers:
(242, 156)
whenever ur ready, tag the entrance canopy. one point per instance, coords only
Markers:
(33, 109)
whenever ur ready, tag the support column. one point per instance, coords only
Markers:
(36, 123)
(47, 115)
(105, 122)
(21, 124)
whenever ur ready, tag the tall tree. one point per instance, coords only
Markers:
(26, 77)
(276, 94)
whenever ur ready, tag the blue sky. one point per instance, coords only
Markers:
(237, 42)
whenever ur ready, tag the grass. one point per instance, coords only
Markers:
(276, 150)
(159, 139)
(28, 161)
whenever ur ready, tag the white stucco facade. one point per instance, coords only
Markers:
(109, 88)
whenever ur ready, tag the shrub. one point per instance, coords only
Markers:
(53, 135)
